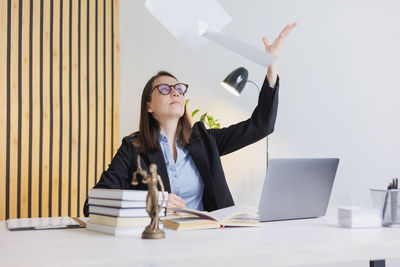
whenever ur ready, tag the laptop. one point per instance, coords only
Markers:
(297, 188)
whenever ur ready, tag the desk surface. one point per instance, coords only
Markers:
(311, 241)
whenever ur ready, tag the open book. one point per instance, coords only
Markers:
(231, 216)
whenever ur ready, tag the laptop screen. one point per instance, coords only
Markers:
(297, 188)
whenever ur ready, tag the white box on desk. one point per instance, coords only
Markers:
(359, 217)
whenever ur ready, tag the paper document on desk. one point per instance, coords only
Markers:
(44, 223)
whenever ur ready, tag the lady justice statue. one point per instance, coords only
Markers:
(152, 231)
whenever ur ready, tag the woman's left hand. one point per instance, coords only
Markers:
(275, 49)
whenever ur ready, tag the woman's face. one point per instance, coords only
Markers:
(166, 107)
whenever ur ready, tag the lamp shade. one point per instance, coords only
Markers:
(236, 81)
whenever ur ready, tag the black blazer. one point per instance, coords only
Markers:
(205, 151)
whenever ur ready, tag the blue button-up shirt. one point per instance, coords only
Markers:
(184, 177)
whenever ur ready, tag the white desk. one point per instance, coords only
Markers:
(300, 242)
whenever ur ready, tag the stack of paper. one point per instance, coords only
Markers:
(359, 217)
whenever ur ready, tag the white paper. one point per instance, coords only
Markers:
(181, 18)
(41, 223)
(255, 54)
(195, 22)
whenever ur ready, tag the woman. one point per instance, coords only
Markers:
(188, 158)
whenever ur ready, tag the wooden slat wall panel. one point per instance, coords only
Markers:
(115, 75)
(59, 66)
(45, 99)
(108, 88)
(100, 89)
(3, 105)
(56, 57)
(35, 109)
(65, 91)
(83, 78)
(13, 109)
(24, 108)
(92, 93)
(74, 105)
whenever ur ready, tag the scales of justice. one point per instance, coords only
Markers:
(153, 208)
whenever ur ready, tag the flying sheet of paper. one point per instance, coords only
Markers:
(181, 18)
(253, 53)
(195, 22)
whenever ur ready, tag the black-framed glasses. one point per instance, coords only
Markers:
(165, 89)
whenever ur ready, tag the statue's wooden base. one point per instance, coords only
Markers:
(157, 234)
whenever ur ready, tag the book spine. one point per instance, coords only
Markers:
(122, 212)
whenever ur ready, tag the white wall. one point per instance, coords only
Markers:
(339, 93)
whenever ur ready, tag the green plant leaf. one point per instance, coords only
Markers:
(194, 112)
(206, 118)
(210, 119)
(203, 117)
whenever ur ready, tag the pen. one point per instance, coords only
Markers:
(393, 201)
(385, 203)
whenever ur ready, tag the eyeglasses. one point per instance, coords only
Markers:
(165, 89)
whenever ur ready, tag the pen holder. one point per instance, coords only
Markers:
(388, 202)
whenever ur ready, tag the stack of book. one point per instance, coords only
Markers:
(119, 212)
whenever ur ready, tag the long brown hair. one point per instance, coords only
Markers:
(147, 136)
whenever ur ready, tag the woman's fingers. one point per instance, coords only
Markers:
(265, 40)
(175, 204)
(285, 32)
(275, 47)
(175, 201)
(178, 203)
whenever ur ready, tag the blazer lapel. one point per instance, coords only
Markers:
(157, 158)
(198, 155)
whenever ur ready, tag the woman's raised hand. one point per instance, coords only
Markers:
(275, 47)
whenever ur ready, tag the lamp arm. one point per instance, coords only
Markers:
(258, 87)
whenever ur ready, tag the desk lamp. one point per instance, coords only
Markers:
(236, 81)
